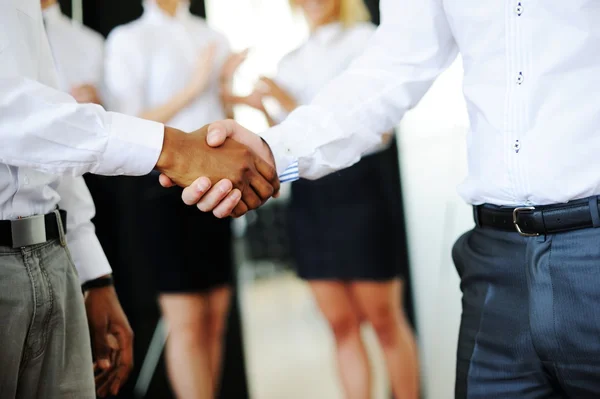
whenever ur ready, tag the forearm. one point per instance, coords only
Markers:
(348, 118)
(45, 129)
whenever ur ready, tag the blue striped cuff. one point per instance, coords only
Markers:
(290, 174)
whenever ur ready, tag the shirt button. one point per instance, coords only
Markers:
(25, 180)
(520, 78)
(519, 9)
(517, 146)
(119, 171)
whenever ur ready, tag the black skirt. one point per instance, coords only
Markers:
(347, 226)
(188, 250)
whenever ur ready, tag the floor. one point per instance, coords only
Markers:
(289, 349)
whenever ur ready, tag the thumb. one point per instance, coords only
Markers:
(217, 134)
(165, 181)
(221, 130)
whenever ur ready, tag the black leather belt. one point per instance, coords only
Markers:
(31, 230)
(534, 221)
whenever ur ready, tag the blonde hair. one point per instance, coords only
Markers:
(351, 12)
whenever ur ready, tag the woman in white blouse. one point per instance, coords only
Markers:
(344, 231)
(170, 67)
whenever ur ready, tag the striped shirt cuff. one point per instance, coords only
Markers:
(290, 174)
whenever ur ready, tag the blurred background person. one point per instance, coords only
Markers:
(78, 54)
(169, 66)
(343, 228)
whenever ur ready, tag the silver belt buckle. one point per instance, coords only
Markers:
(28, 231)
(515, 217)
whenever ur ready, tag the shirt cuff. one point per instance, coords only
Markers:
(282, 154)
(290, 174)
(134, 146)
(88, 256)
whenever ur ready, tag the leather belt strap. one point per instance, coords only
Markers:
(31, 230)
(533, 221)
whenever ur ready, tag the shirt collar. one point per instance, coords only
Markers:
(154, 13)
(327, 33)
(52, 13)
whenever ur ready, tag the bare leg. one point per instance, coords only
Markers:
(381, 304)
(188, 358)
(216, 321)
(336, 305)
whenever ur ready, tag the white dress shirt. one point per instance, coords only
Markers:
(151, 59)
(45, 133)
(531, 83)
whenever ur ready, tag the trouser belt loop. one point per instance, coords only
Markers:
(61, 229)
(476, 216)
(595, 213)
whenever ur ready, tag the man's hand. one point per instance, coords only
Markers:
(238, 166)
(112, 340)
(216, 199)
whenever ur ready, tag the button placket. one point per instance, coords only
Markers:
(519, 9)
(520, 78)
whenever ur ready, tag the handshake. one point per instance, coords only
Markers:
(224, 168)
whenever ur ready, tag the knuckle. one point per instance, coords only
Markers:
(239, 181)
(271, 174)
(253, 203)
(270, 191)
(245, 166)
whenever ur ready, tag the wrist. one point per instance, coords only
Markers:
(98, 283)
(172, 142)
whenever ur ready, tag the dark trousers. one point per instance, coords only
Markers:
(531, 315)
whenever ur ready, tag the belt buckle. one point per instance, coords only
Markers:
(517, 227)
(28, 231)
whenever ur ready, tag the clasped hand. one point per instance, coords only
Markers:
(237, 175)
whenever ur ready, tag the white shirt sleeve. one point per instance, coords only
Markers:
(412, 46)
(45, 129)
(88, 256)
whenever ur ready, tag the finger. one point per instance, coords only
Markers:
(236, 100)
(226, 206)
(250, 198)
(103, 387)
(124, 361)
(215, 195)
(165, 181)
(243, 54)
(194, 192)
(219, 131)
(240, 209)
(265, 182)
(102, 375)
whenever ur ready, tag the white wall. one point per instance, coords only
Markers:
(433, 161)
